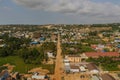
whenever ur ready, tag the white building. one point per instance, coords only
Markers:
(36, 76)
(82, 69)
(50, 54)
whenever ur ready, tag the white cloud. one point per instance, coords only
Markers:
(81, 7)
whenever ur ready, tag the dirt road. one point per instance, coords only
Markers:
(58, 64)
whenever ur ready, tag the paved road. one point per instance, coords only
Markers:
(58, 64)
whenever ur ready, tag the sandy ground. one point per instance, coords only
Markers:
(10, 67)
(27, 75)
(39, 70)
(51, 61)
(58, 64)
(119, 66)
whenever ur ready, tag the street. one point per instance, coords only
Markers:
(58, 63)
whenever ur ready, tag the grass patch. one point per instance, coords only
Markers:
(22, 67)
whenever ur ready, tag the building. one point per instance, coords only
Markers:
(82, 68)
(92, 68)
(34, 43)
(4, 75)
(74, 58)
(117, 40)
(66, 61)
(102, 54)
(67, 67)
(16, 76)
(74, 69)
(107, 77)
(94, 77)
(50, 54)
(37, 76)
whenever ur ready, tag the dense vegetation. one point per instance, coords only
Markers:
(32, 56)
(18, 52)
(12, 44)
(75, 48)
(107, 63)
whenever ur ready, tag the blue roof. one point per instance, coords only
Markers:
(118, 45)
(34, 43)
(4, 76)
(42, 38)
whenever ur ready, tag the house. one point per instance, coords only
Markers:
(67, 67)
(50, 54)
(74, 69)
(94, 46)
(42, 38)
(95, 77)
(98, 47)
(74, 58)
(2, 45)
(4, 75)
(36, 35)
(92, 68)
(107, 77)
(37, 76)
(16, 75)
(118, 46)
(34, 43)
(82, 68)
(66, 61)
(117, 40)
(102, 54)
(54, 37)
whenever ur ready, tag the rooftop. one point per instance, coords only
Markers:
(74, 67)
(107, 77)
(91, 66)
(103, 54)
(95, 78)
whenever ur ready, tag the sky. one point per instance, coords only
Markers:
(59, 11)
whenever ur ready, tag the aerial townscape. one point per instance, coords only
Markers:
(60, 52)
(59, 39)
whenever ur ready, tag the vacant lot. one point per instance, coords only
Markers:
(20, 66)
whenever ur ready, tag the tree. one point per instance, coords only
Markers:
(32, 56)
(5, 51)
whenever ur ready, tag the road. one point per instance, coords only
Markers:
(58, 63)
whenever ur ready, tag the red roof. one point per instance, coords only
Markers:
(93, 46)
(103, 54)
